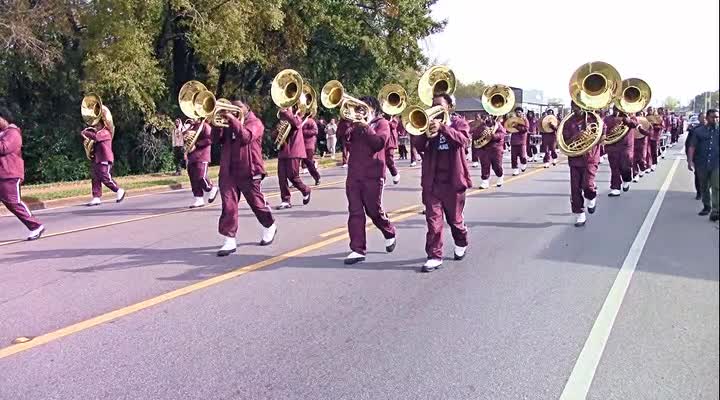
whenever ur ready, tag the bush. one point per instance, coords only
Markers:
(59, 167)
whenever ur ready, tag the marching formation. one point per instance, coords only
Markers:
(371, 129)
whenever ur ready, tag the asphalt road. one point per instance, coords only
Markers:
(128, 301)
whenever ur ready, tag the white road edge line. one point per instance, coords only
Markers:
(582, 375)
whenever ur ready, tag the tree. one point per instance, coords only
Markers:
(704, 101)
(136, 54)
(671, 103)
(474, 89)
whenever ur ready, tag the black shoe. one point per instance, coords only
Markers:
(714, 217)
(592, 210)
(611, 194)
(698, 196)
(579, 224)
(317, 182)
(225, 253)
(351, 261)
(704, 212)
(37, 236)
(306, 200)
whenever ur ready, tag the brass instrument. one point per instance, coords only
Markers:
(435, 81)
(498, 100)
(546, 124)
(393, 99)
(592, 87)
(642, 121)
(197, 102)
(655, 119)
(288, 90)
(511, 124)
(333, 94)
(93, 112)
(634, 96)
(485, 136)
(416, 120)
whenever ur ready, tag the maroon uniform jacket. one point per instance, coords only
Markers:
(295, 146)
(627, 143)
(367, 154)
(11, 161)
(202, 146)
(103, 145)
(532, 125)
(343, 130)
(498, 138)
(444, 160)
(657, 130)
(241, 158)
(310, 132)
(393, 140)
(572, 129)
(521, 136)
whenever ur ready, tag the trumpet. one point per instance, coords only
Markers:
(393, 99)
(333, 94)
(437, 80)
(416, 120)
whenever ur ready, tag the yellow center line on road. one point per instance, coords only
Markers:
(131, 309)
(146, 217)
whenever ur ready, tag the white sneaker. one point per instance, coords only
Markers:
(213, 193)
(344, 165)
(476, 164)
(580, 219)
(412, 164)
(641, 174)
(554, 161)
(546, 165)
(626, 186)
(654, 167)
(268, 235)
(35, 234)
(284, 206)
(94, 202)
(523, 167)
(614, 193)
(229, 247)
(636, 178)
(590, 205)
(460, 252)
(431, 265)
(354, 258)
(199, 202)
(484, 184)
(516, 172)
(396, 179)
(120, 195)
(390, 244)
(500, 181)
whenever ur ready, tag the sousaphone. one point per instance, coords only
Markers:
(635, 95)
(497, 100)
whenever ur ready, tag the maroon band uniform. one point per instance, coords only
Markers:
(490, 155)
(366, 180)
(641, 150)
(198, 160)
(12, 174)
(290, 156)
(241, 172)
(582, 168)
(343, 131)
(518, 145)
(101, 164)
(310, 133)
(445, 179)
(620, 154)
(653, 142)
(392, 145)
(549, 145)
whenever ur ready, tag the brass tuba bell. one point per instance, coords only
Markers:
(498, 100)
(592, 87)
(286, 88)
(197, 102)
(416, 120)
(393, 99)
(333, 94)
(634, 96)
(93, 112)
(435, 81)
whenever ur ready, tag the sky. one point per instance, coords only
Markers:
(538, 44)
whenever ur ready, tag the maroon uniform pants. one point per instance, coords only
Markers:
(309, 163)
(518, 151)
(490, 157)
(10, 197)
(289, 171)
(475, 154)
(199, 181)
(582, 186)
(620, 168)
(230, 191)
(414, 155)
(640, 155)
(653, 149)
(441, 201)
(365, 198)
(345, 152)
(549, 143)
(100, 174)
(390, 160)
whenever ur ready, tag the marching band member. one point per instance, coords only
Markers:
(582, 169)
(310, 134)
(532, 130)
(518, 144)
(102, 160)
(241, 172)
(476, 127)
(197, 166)
(549, 143)
(490, 155)
(621, 153)
(365, 181)
(289, 158)
(392, 144)
(640, 150)
(658, 128)
(12, 174)
(445, 179)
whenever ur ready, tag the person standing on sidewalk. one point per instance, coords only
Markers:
(704, 157)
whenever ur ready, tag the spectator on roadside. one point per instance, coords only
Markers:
(691, 128)
(178, 145)
(331, 137)
(704, 157)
